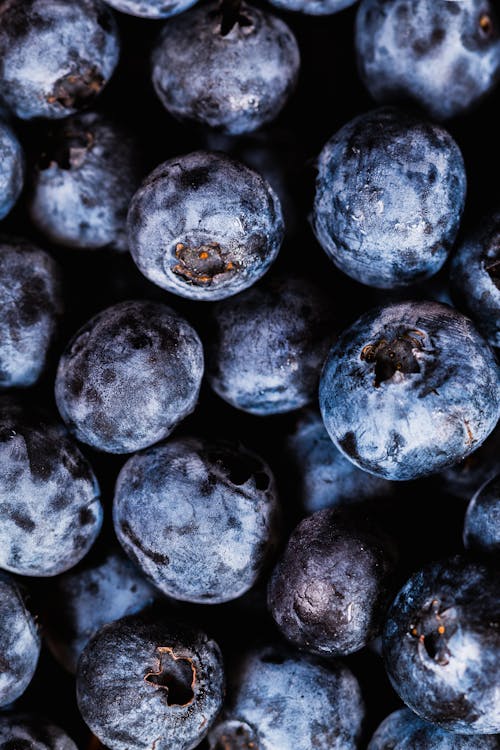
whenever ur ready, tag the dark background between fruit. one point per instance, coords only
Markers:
(427, 522)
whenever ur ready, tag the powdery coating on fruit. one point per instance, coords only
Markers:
(84, 183)
(409, 389)
(32, 732)
(313, 7)
(198, 517)
(50, 510)
(234, 79)
(281, 699)
(390, 193)
(441, 644)
(30, 309)
(11, 169)
(129, 376)
(442, 54)
(123, 683)
(20, 642)
(482, 520)
(55, 56)
(267, 345)
(151, 8)
(204, 226)
(463, 479)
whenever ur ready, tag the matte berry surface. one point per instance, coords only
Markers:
(151, 8)
(11, 169)
(482, 520)
(30, 732)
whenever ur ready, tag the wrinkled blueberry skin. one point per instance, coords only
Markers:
(267, 345)
(204, 226)
(443, 55)
(313, 7)
(482, 520)
(20, 641)
(55, 56)
(199, 518)
(49, 497)
(441, 642)
(84, 183)
(475, 278)
(233, 74)
(30, 732)
(281, 699)
(390, 193)
(330, 591)
(404, 730)
(129, 376)
(11, 169)
(30, 309)
(145, 682)
(80, 602)
(410, 389)
(151, 8)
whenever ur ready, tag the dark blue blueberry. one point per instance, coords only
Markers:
(20, 642)
(55, 55)
(410, 389)
(268, 345)
(129, 376)
(463, 479)
(441, 644)
(11, 169)
(230, 66)
(151, 8)
(198, 517)
(204, 226)
(84, 182)
(145, 682)
(49, 497)
(279, 699)
(330, 591)
(31, 305)
(442, 54)
(482, 520)
(390, 193)
(313, 7)
(30, 732)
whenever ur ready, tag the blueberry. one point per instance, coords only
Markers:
(441, 643)
(443, 55)
(85, 179)
(11, 169)
(268, 344)
(390, 193)
(204, 226)
(281, 699)
(151, 8)
(410, 389)
(129, 376)
(313, 7)
(198, 517)
(144, 682)
(463, 479)
(23, 731)
(482, 520)
(31, 306)
(55, 55)
(49, 498)
(20, 642)
(227, 65)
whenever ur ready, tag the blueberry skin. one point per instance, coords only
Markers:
(55, 56)
(20, 641)
(482, 520)
(144, 682)
(84, 183)
(11, 169)
(199, 518)
(129, 376)
(30, 311)
(441, 643)
(151, 8)
(390, 193)
(281, 699)
(233, 74)
(475, 278)
(268, 345)
(204, 226)
(443, 55)
(409, 389)
(30, 732)
(49, 496)
(313, 7)
(463, 479)
(403, 730)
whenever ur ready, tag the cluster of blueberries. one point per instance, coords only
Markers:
(212, 559)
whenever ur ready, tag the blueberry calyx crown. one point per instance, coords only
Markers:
(231, 16)
(76, 89)
(68, 152)
(394, 355)
(203, 264)
(433, 629)
(176, 675)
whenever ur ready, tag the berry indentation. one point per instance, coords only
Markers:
(176, 675)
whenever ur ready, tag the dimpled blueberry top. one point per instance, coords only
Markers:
(232, 73)
(482, 520)
(313, 7)
(198, 517)
(30, 732)
(410, 389)
(390, 193)
(11, 169)
(151, 8)
(281, 699)
(129, 376)
(204, 226)
(55, 55)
